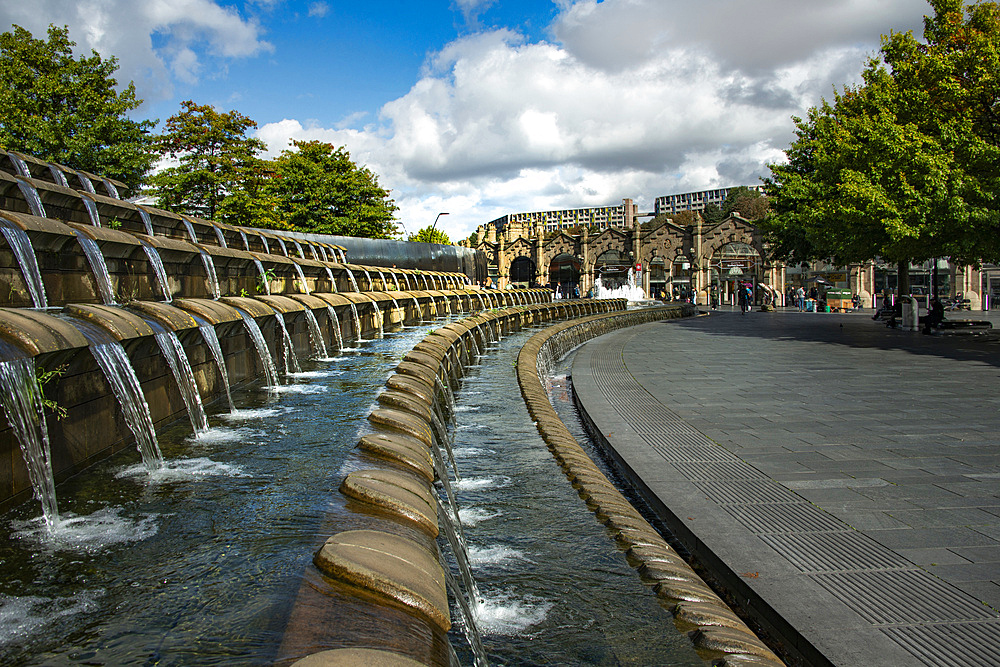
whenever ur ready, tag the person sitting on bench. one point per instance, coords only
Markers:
(935, 315)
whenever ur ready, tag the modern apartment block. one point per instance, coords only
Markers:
(601, 217)
(694, 201)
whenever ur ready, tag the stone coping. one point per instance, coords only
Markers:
(715, 630)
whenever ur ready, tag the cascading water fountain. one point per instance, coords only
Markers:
(335, 325)
(284, 248)
(257, 338)
(354, 283)
(298, 248)
(91, 206)
(159, 270)
(110, 188)
(303, 285)
(147, 221)
(58, 176)
(211, 275)
(177, 360)
(378, 319)
(21, 397)
(20, 245)
(31, 196)
(315, 335)
(211, 339)
(356, 321)
(263, 240)
(115, 364)
(629, 290)
(368, 277)
(98, 267)
(291, 361)
(20, 165)
(190, 230)
(86, 183)
(265, 283)
(246, 240)
(333, 281)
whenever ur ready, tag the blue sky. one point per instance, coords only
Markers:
(486, 107)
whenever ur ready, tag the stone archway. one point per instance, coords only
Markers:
(612, 268)
(564, 274)
(733, 264)
(522, 272)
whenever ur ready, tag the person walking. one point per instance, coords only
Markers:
(744, 299)
(800, 298)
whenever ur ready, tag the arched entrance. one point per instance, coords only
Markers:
(658, 278)
(612, 268)
(681, 279)
(522, 272)
(733, 265)
(564, 275)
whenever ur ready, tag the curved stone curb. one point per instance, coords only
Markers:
(716, 632)
(353, 657)
(378, 563)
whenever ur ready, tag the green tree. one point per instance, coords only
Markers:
(712, 214)
(904, 166)
(743, 201)
(63, 109)
(431, 234)
(218, 166)
(320, 189)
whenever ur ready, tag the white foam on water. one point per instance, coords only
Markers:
(473, 516)
(329, 360)
(466, 408)
(298, 389)
(312, 375)
(256, 413)
(21, 618)
(219, 435)
(476, 483)
(94, 532)
(462, 427)
(183, 470)
(505, 615)
(494, 555)
(470, 452)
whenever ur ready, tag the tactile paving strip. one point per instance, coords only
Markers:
(891, 597)
(842, 550)
(932, 620)
(796, 517)
(936, 645)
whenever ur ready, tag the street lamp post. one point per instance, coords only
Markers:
(434, 226)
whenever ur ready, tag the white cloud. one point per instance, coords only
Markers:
(124, 28)
(639, 98)
(319, 9)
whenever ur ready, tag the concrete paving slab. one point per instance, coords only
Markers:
(838, 499)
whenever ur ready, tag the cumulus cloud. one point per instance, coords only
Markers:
(319, 9)
(156, 41)
(631, 98)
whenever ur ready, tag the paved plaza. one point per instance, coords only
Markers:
(841, 479)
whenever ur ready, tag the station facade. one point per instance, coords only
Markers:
(680, 261)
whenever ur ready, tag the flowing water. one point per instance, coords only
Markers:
(159, 270)
(95, 258)
(200, 562)
(556, 588)
(20, 245)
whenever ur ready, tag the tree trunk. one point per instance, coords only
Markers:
(903, 278)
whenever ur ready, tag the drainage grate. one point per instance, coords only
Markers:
(843, 550)
(892, 597)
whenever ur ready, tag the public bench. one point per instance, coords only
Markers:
(964, 326)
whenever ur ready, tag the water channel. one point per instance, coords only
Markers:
(199, 562)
